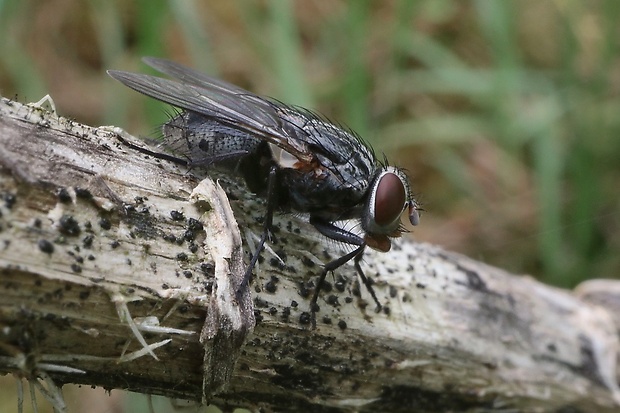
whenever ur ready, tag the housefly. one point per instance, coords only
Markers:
(300, 161)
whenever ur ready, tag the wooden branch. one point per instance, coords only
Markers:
(119, 270)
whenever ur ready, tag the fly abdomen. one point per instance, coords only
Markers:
(205, 141)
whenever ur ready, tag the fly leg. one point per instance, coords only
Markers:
(157, 155)
(271, 203)
(338, 234)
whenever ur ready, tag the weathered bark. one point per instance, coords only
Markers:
(98, 277)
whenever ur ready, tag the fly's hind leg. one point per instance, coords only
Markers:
(267, 226)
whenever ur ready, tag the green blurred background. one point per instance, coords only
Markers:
(506, 113)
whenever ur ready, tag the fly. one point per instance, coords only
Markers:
(298, 159)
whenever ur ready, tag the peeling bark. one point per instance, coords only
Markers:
(111, 262)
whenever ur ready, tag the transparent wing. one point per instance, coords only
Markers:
(191, 76)
(220, 100)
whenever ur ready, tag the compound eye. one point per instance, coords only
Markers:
(390, 200)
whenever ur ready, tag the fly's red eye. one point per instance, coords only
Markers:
(389, 199)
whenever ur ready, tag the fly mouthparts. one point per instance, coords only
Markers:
(414, 215)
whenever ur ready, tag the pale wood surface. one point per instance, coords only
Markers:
(455, 334)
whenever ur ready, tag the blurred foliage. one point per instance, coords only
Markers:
(505, 113)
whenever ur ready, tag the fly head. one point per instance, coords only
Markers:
(388, 196)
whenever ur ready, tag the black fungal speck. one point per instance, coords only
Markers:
(105, 223)
(170, 238)
(46, 246)
(189, 235)
(91, 257)
(87, 241)
(327, 320)
(420, 286)
(84, 295)
(207, 268)
(63, 195)
(83, 193)
(305, 318)
(276, 263)
(273, 311)
(36, 223)
(271, 285)
(348, 300)
(286, 312)
(342, 325)
(386, 310)
(76, 268)
(79, 260)
(294, 304)
(69, 225)
(260, 303)
(187, 274)
(176, 215)
(115, 244)
(165, 286)
(393, 291)
(303, 290)
(193, 248)
(194, 225)
(181, 256)
(332, 300)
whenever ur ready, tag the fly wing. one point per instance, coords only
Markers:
(192, 77)
(219, 100)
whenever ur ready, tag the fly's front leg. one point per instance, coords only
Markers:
(338, 234)
(271, 203)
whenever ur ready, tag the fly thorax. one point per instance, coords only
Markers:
(175, 128)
